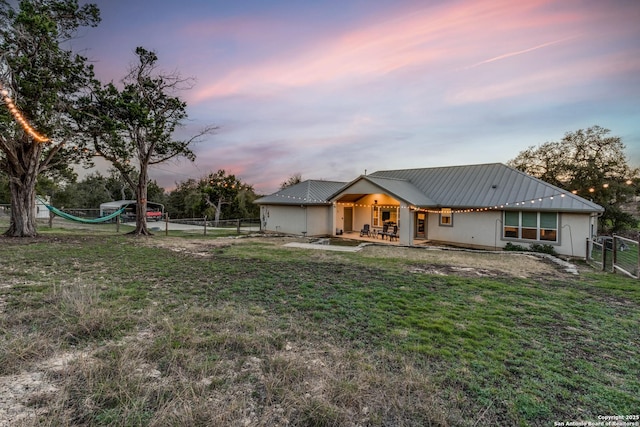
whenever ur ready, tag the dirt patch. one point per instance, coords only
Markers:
(440, 261)
(199, 246)
(469, 263)
(450, 270)
(20, 393)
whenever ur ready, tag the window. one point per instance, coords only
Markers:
(446, 217)
(385, 214)
(549, 226)
(512, 224)
(531, 226)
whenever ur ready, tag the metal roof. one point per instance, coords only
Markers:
(402, 189)
(492, 185)
(486, 185)
(309, 192)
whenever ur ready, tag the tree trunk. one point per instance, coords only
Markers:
(23, 208)
(218, 209)
(22, 185)
(141, 204)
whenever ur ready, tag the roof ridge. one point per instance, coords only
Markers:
(387, 177)
(438, 167)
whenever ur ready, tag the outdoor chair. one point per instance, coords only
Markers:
(385, 231)
(394, 234)
(366, 231)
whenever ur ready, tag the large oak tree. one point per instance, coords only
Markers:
(133, 126)
(41, 81)
(589, 163)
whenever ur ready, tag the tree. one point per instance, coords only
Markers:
(5, 197)
(88, 193)
(119, 188)
(294, 179)
(226, 194)
(185, 201)
(589, 163)
(135, 125)
(40, 83)
(217, 195)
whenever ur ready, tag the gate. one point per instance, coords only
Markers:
(626, 257)
(615, 253)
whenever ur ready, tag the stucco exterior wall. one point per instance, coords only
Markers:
(293, 219)
(484, 230)
(474, 229)
(481, 230)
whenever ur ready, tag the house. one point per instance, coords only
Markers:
(479, 206)
(303, 208)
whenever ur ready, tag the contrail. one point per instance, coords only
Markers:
(519, 52)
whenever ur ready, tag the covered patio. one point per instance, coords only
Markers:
(367, 203)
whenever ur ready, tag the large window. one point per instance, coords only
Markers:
(382, 215)
(531, 226)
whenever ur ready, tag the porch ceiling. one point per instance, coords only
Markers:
(350, 198)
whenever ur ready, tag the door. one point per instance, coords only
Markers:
(348, 219)
(421, 225)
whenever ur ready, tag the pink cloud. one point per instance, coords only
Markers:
(429, 39)
(549, 79)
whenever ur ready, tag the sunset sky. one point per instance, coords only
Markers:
(329, 89)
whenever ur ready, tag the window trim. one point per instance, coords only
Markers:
(377, 217)
(445, 218)
(509, 227)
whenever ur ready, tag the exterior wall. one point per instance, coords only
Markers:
(473, 229)
(295, 219)
(338, 218)
(484, 230)
(575, 230)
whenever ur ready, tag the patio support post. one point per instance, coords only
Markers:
(406, 225)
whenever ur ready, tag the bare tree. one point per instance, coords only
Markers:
(294, 179)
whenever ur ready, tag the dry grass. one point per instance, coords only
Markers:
(237, 332)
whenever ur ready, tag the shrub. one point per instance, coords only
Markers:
(545, 249)
(534, 247)
(512, 247)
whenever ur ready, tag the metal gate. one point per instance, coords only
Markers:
(615, 253)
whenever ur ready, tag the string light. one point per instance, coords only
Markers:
(17, 115)
(426, 210)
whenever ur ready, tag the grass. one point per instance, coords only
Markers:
(255, 332)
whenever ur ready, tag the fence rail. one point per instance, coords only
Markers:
(616, 254)
(240, 224)
(626, 257)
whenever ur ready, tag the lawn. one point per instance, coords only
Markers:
(112, 330)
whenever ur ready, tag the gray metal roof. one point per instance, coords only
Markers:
(485, 186)
(492, 185)
(401, 189)
(309, 192)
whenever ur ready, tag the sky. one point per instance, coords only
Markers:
(336, 89)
